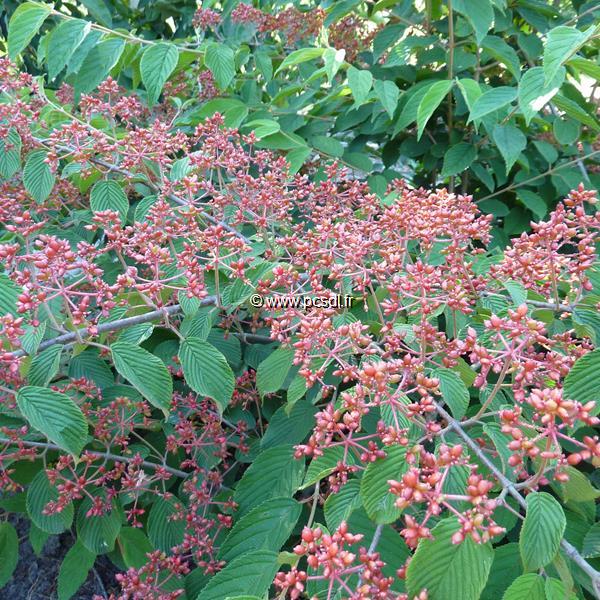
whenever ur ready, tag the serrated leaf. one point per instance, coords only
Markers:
(300, 56)
(10, 154)
(491, 101)
(388, 94)
(134, 546)
(479, 13)
(377, 499)
(272, 372)
(39, 493)
(37, 539)
(340, 506)
(561, 44)
(411, 106)
(534, 202)
(251, 573)
(164, 531)
(526, 587)
(23, 25)
(511, 141)
(360, 82)
(458, 158)
(542, 530)
(274, 473)
(109, 195)
(98, 533)
(97, 64)
(38, 179)
(220, 59)
(63, 41)
(55, 415)
(591, 543)
(502, 52)
(74, 570)
(321, 466)
(566, 131)
(448, 571)
(430, 101)
(146, 372)
(454, 391)
(289, 426)
(9, 552)
(327, 145)
(265, 527)
(156, 65)
(263, 127)
(44, 366)
(578, 488)
(582, 383)
(535, 92)
(206, 371)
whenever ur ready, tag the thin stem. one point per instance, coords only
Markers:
(514, 186)
(104, 455)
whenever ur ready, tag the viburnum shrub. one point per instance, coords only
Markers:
(183, 389)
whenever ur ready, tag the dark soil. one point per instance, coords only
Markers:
(35, 577)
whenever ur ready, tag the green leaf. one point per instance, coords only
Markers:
(431, 100)
(511, 141)
(322, 466)
(265, 527)
(156, 66)
(491, 101)
(458, 158)
(9, 294)
(37, 538)
(534, 202)
(340, 506)
(542, 530)
(98, 533)
(566, 131)
(300, 56)
(591, 543)
(561, 44)
(573, 110)
(206, 371)
(55, 415)
(63, 41)
(10, 154)
(535, 92)
(275, 472)
(289, 426)
(9, 552)
(164, 531)
(146, 372)
(38, 179)
(582, 383)
(375, 493)
(134, 546)
(578, 488)
(39, 493)
(23, 25)
(505, 569)
(249, 574)
(498, 49)
(479, 13)
(263, 127)
(333, 59)
(272, 372)
(448, 571)
(470, 91)
(74, 570)
(44, 366)
(220, 59)
(388, 94)
(264, 64)
(360, 82)
(327, 145)
(526, 587)
(88, 364)
(454, 391)
(97, 64)
(413, 98)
